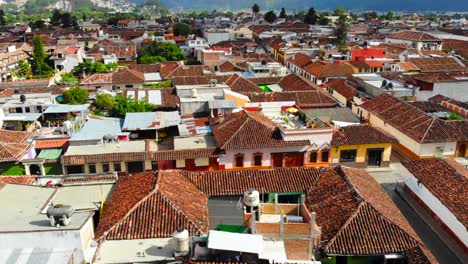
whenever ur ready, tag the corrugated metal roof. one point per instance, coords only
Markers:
(63, 108)
(150, 120)
(97, 128)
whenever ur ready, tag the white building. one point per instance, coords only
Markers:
(267, 69)
(214, 35)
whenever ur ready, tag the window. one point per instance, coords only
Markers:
(129, 86)
(324, 156)
(257, 157)
(117, 167)
(92, 168)
(27, 109)
(313, 156)
(439, 151)
(239, 159)
(105, 167)
(348, 155)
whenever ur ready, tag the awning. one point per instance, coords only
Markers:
(49, 154)
(235, 242)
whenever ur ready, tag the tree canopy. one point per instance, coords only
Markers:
(75, 95)
(160, 51)
(283, 13)
(270, 16)
(88, 67)
(105, 101)
(181, 29)
(255, 8)
(124, 105)
(40, 64)
(341, 31)
(311, 17)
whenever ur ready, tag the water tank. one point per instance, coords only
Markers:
(194, 93)
(251, 198)
(181, 240)
(22, 98)
(60, 215)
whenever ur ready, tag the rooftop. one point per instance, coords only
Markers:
(119, 147)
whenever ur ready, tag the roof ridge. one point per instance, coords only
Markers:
(428, 129)
(137, 204)
(237, 131)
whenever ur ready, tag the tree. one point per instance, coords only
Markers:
(323, 20)
(255, 9)
(311, 17)
(162, 51)
(341, 31)
(56, 18)
(181, 29)
(75, 95)
(88, 68)
(124, 105)
(2, 17)
(105, 101)
(40, 59)
(340, 11)
(69, 78)
(270, 16)
(390, 15)
(24, 69)
(283, 13)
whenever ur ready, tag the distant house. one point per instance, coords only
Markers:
(67, 58)
(124, 51)
(419, 134)
(415, 39)
(342, 90)
(321, 71)
(440, 187)
(361, 146)
(127, 78)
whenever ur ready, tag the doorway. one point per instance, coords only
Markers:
(462, 150)
(374, 157)
(277, 160)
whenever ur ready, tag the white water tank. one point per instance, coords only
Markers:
(181, 240)
(251, 198)
(194, 93)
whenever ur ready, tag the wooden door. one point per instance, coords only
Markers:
(190, 164)
(214, 165)
(294, 159)
(277, 160)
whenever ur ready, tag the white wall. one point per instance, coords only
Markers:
(436, 206)
(229, 158)
(66, 239)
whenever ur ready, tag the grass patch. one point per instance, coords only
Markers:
(53, 169)
(12, 170)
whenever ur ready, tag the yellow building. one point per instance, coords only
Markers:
(361, 146)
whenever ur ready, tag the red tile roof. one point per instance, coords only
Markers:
(242, 85)
(245, 130)
(127, 76)
(343, 87)
(321, 69)
(357, 217)
(300, 60)
(413, 36)
(27, 180)
(305, 99)
(446, 181)
(360, 134)
(150, 205)
(410, 120)
(278, 180)
(51, 143)
(9, 136)
(294, 83)
(438, 64)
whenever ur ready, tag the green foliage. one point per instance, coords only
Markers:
(162, 84)
(454, 116)
(181, 29)
(270, 16)
(323, 19)
(160, 51)
(75, 95)
(24, 69)
(69, 78)
(255, 8)
(89, 68)
(341, 31)
(124, 105)
(283, 13)
(311, 17)
(340, 11)
(371, 15)
(105, 102)
(2, 17)
(40, 59)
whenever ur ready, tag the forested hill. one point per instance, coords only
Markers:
(384, 5)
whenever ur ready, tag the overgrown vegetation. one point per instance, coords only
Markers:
(40, 64)
(75, 95)
(124, 105)
(159, 52)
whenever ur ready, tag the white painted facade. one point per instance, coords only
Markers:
(422, 150)
(436, 206)
(454, 89)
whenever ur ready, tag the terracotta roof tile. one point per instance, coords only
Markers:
(413, 36)
(51, 143)
(127, 76)
(410, 120)
(228, 183)
(360, 134)
(300, 60)
(447, 182)
(27, 180)
(244, 130)
(438, 64)
(321, 69)
(9, 136)
(343, 87)
(294, 83)
(156, 210)
(304, 99)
